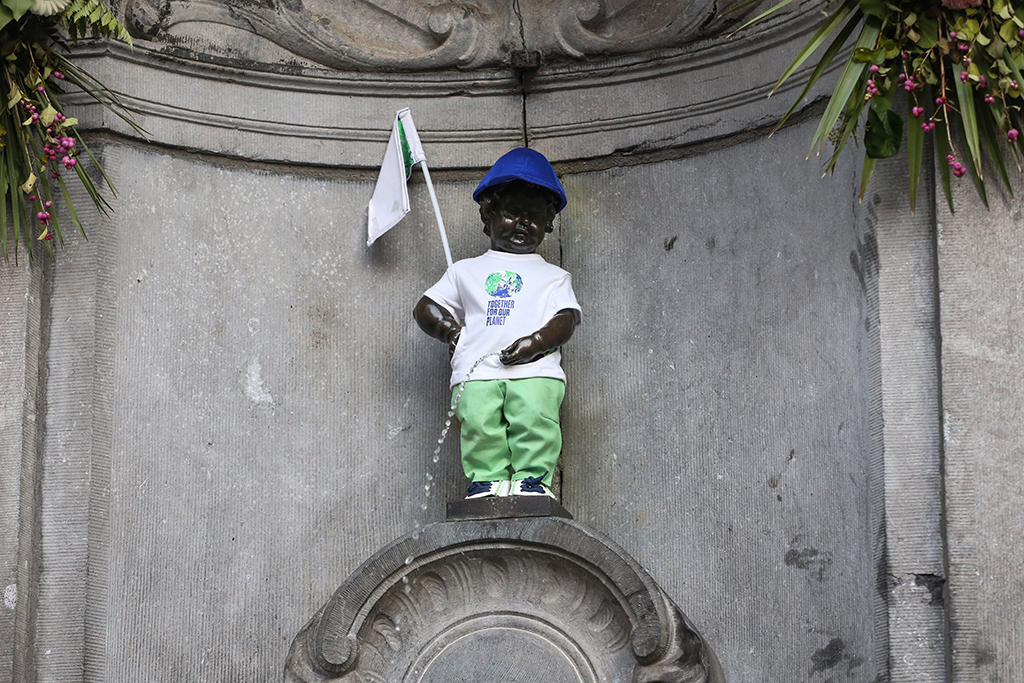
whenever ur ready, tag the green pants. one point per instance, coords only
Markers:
(510, 428)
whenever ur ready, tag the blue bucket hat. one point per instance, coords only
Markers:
(526, 164)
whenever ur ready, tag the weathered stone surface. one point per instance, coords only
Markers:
(717, 411)
(900, 249)
(501, 601)
(23, 308)
(981, 268)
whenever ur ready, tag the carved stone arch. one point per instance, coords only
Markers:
(508, 595)
(249, 78)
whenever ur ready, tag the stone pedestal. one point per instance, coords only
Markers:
(509, 506)
(501, 600)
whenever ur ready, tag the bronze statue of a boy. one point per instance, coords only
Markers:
(514, 310)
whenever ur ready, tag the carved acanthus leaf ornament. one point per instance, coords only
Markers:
(423, 35)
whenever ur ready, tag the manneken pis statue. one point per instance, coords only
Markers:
(512, 303)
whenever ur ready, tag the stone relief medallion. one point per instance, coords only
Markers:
(509, 600)
(423, 35)
(483, 609)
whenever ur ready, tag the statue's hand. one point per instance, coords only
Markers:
(523, 350)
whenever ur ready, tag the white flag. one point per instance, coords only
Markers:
(390, 201)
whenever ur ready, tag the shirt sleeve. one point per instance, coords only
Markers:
(445, 293)
(562, 296)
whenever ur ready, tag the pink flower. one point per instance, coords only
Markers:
(918, 112)
(1012, 134)
(960, 4)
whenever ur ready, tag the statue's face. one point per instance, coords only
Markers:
(518, 226)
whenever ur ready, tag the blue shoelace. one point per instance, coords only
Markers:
(478, 487)
(533, 484)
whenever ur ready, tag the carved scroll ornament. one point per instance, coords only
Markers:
(422, 35)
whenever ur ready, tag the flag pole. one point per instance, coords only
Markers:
(437, 212)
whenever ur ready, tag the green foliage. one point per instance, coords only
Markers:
(39, 144)
(959, 68)
(883, 134)
(82, 16)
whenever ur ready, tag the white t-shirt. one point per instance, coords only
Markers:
(498, 298)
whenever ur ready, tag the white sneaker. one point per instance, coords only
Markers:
(488, 489)
(531, 486)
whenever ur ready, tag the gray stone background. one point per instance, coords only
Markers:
(794, 410)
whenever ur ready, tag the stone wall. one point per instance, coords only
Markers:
(980, 274)
(219, 405)
(268, 406)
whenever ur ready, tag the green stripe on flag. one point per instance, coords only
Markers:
(406, 150)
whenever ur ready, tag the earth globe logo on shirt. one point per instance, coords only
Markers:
(503, 284)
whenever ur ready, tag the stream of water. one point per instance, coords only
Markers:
(448, 423)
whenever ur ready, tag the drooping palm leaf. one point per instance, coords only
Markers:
(971, 58)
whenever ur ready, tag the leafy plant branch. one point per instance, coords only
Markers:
(39, 143)
(959, 62)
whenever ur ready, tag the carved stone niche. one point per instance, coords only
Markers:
(501, 601)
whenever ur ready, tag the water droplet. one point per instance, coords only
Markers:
(405, 579)
(408, 560)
